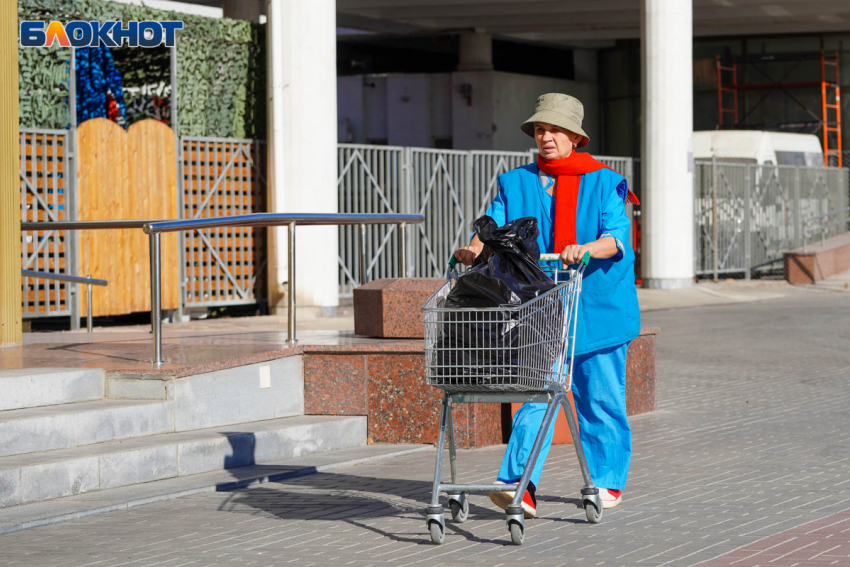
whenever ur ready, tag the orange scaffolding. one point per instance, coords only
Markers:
(828, 123)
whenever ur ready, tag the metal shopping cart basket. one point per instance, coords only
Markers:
(503, 354)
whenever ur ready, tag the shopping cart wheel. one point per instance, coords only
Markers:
(594, 514)
(517, 533)
(437, 532)
(460, 508)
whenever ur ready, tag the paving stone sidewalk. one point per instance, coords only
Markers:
(751, 441)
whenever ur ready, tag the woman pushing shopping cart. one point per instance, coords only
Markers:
(572, 337)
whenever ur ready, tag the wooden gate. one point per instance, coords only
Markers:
(126, 175)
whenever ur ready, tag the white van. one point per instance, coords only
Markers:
(755, 146)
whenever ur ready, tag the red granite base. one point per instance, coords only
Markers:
(390, 389)
(820, 261)
(387, 385)
(336, 384)
(392, 307)
(640, 373)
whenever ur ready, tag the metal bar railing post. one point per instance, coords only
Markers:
(805, 239)
(89, 324)
(748, 237)
(800, 227)
(70, 181)
(402, 244)
(468, 213)
(714, 228)
(156, 298)
(178, 164)
(290, 323)
(362, 254)
(410, 203)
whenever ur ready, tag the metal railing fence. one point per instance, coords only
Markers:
(450, 188)
(221, 177)
(826, 226)
(748, 215)
(216, 177)
(47, 195)
(371, 179)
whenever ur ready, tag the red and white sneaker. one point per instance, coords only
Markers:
(529, 502)
(610, 498)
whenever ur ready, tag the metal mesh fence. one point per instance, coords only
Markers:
(220, 177)
(46, 196)
(451, 188)
(371, 179)
(748, 215)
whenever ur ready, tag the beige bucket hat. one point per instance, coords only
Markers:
(558, 109)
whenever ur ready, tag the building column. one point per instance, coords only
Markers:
(666, 150)
(303, 147)
(10, 193)
(473, 101)
(475, 51)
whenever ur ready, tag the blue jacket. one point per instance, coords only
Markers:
(608, 308)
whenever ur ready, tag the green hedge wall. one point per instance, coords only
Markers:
(220, 69)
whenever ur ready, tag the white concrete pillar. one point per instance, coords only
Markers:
(303, 146)
(667, 129)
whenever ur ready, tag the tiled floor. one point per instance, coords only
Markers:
(822, 542)
(748, 452)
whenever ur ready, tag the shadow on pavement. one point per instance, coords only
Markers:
(356, 499)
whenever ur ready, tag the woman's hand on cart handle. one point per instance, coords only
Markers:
(575, 253)
(466, 255)
(554, 257)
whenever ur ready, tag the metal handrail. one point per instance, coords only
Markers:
(88, 281)
(87, 225)
(281, 219)
(823, 227)
(290, 220)
(154, 227)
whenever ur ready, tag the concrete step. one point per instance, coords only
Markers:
(266, 390)
(36, 477)
(31, 430)
(16, 518)
(30, 388)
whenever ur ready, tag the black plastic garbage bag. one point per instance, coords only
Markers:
(506, 272)
(479, 345)
(483, 344)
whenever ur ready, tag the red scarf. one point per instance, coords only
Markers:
(567, 173)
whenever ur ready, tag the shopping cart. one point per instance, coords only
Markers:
(503, 354)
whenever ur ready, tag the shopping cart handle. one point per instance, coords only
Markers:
(453, 262)
(553, 257)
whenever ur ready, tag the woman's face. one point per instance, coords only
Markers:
(553, 141)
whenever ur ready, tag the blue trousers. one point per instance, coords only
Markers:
(599, 391)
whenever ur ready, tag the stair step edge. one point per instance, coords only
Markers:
(162, 439)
